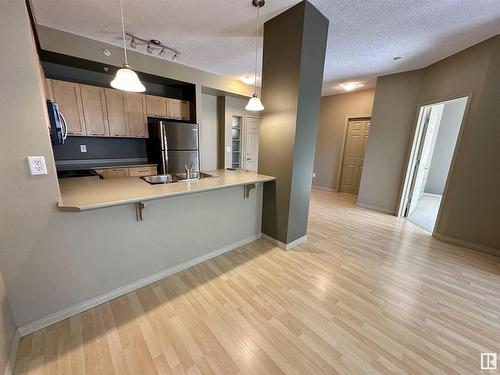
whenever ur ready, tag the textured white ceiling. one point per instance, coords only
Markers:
(218, 35)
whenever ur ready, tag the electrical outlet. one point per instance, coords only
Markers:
(228, 149)
(314, 174)
(83, 148)
(37, 165)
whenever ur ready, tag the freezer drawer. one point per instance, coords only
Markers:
(177, 159)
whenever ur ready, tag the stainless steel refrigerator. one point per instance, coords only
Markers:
(172, 145)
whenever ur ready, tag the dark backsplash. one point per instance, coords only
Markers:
(101, 148)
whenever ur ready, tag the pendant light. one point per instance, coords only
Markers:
(254, 104)
(126, 79)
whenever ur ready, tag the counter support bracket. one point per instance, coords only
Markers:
(247, 189)
(139, 207)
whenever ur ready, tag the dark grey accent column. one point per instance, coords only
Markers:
(292, 75)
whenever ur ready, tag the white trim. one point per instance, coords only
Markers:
(35, 325)
(323, 188)
(433, 195)
(14, 347)
(284, 246)
(470, 245)
(377, 208)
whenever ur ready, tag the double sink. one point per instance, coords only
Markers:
(177, 177)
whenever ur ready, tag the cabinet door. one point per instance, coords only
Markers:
(68, 97)
(117, 173)
(49, 94)
(135, 108)
(156, 106)
(115, 106)
(185, 115)
(94, 110)
(174, 109)
(143, 171)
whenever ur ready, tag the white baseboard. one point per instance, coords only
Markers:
(38, 324)
(376, 208)
(11, 361)
(284, 246)
(324, 188)
(470, 245)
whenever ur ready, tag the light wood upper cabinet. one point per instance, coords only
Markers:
(49, 94)
(94, 110)
(115, 105)
(68, 97)
(156, 106)
(135, 109)
(178, 109)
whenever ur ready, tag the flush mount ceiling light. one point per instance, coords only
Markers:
(249, 79)
(126, 79)
(254, 104)
(349, 86)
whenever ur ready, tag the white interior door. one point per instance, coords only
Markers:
(424, 156)
(251, 143)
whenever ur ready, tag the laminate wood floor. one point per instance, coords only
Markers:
(367, 293)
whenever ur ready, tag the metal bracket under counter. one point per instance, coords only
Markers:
(247, 189)
(139, 211)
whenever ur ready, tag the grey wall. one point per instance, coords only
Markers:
(470, 207)
(51, 260)
(444, 146)
(294, 48)
(333, 113)
(7, 327)
(208, 132)
(394, 110)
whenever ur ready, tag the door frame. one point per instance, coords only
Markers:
(409, 162)
(342, 148)
(243, 164)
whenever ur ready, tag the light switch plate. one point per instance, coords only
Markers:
(228, 149)
(314, 174)
(37, 165)
(83, 148)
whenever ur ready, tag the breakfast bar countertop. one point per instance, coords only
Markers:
(87, 193)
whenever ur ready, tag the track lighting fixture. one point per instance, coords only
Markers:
(152, 46)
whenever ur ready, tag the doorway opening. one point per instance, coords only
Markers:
(431, 158)
(353, 155)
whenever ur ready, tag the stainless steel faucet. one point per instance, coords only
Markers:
(188, 170)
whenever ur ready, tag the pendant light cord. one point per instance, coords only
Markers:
(123, 33)
(256, 48)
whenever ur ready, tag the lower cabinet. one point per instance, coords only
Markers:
(146, 170)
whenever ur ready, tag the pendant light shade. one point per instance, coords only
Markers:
(126, 79)
(254, 104)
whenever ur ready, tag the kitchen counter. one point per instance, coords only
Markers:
(87, 193)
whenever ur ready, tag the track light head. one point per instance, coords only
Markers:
(149, 49)
(174, 56)
(162, 52)
(133, 44)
